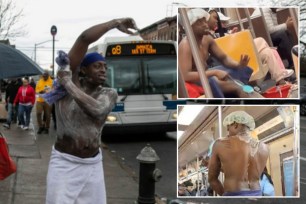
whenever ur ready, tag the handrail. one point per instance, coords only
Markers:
(239, 19)
(295, 20)
(266, 27)
(251, 28)
(195, 53)
(295, 150)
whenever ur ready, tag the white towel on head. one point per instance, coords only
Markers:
(197, 13)
(241, 117)
(75, 180)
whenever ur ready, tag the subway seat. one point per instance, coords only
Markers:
(242, 43)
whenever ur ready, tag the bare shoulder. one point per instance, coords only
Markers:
(184, 44)
(207, 40)
(263, 148)
(220, 142)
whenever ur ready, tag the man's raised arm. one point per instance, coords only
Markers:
(92, 34)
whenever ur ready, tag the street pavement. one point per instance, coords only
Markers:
(31, 153)
(128, 146)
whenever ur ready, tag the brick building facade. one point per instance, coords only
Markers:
(164, 29)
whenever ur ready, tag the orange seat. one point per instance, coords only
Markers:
(242, 43)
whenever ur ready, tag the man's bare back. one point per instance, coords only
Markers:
(241, 158)
(241, 169)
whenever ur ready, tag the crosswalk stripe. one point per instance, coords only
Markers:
(303, 158)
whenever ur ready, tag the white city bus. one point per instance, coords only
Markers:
(144, 75)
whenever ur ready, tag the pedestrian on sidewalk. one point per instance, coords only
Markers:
(10, 94)
(43, 109)
(25, 99)
(32, 83)
(75, 173)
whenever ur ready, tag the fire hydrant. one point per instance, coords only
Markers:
(148, 175)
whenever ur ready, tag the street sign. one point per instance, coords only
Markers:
(53, 30)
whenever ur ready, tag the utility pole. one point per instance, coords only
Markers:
(35, 48)
(53, 33)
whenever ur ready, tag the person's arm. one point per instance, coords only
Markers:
(96, 108)
(272, 28)
(16, 100)
(226, 60)
(7, 97)
(92, 34)
(185, 64)
(214, 170)
(32, 95)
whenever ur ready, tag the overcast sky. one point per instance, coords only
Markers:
(73, 16)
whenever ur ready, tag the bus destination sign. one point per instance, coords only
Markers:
(140, 49)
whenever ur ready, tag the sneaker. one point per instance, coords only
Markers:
(6, 125)
(46, 131)
(25, 128)
(287, 73)
(40, 130)
(21, 126)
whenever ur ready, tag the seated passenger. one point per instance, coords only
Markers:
(267, 55)
(280, 35)
(237, 70)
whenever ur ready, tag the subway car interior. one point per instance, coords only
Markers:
(275, 67)
(199, 126)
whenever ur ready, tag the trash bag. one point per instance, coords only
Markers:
(7, 165)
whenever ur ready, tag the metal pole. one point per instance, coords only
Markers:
(182, 92)
(36, 44)
(239, 19)
(195, 53)
(53, 42)
(198, 171)
(266, 27)
(295, 148)
(293, 15)
(247, 13)
(220, 121)
(35, 52)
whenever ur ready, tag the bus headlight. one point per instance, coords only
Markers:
(111, 118)
(174, 116)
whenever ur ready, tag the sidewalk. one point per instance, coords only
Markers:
(31, 153)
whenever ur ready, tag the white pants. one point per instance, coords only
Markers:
(270, 57)
(73, 180)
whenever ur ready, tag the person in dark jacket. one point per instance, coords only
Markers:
(32, 83)
(10, 94)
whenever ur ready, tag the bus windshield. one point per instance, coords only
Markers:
(142, 75)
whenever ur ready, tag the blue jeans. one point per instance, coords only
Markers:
(24, 110)
(242, 74)
(11, 113)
